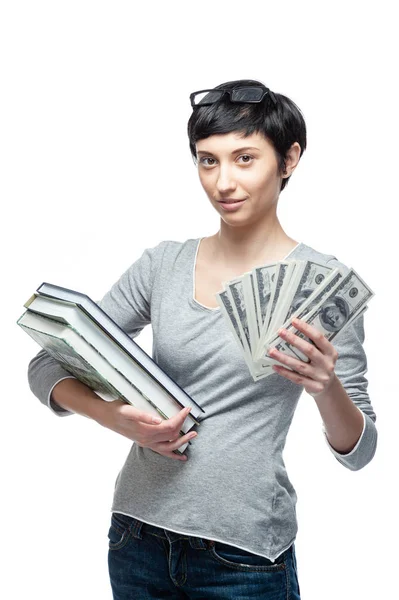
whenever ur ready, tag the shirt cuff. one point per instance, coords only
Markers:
(335, 452)
(53, 406)
(365, 447)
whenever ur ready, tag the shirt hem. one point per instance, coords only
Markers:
(205, 536)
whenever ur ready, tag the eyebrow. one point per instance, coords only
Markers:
(234, 151)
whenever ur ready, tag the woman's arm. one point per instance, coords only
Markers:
(128, 303)
(343, 421)
(335, 377)
(76, 397)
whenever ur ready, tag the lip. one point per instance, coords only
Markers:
(231, 205)
(230, 200)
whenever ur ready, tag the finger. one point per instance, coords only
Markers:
(179, 418)
(178, 440)
(139, 415)
(314, 334)
(291, 375)
(174, 444)
(181, 457)
(170, 454)
(307, 348)
(311, 386)
(297, 365)
(169, 428)
(174, 424)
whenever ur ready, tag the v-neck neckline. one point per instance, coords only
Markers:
(216, 309)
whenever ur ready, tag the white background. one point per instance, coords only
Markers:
(96, 167)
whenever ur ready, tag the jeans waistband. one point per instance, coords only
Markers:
(138, 527)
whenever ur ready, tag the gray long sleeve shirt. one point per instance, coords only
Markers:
(234, 488)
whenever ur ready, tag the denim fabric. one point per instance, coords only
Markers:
(147, 563)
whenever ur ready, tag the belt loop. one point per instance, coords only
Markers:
(201, 543)
(135, 529)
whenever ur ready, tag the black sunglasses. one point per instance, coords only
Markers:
(250, 94)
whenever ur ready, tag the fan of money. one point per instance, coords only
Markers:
(259, 302)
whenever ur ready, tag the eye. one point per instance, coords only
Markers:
(204, 158)
(246, 156)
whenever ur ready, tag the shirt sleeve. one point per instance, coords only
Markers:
(351, 369)
(128, 303)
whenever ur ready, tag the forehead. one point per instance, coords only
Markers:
(228, 142)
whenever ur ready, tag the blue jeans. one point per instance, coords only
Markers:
(148, 563)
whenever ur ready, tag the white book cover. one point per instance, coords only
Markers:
(87, 364)
(114, 354)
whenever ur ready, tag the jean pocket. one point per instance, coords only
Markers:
(239, 559)
(119, 531)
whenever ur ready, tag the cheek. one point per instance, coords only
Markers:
(207, 182)
(259, 181)
(202, 181)
(203, 177)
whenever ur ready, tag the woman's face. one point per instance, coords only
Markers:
(232, 167)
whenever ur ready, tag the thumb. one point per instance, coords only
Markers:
(144, 417)
(135, 414)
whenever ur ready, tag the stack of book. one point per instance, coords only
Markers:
(87, 343)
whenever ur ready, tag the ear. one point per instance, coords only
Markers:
(292, 159)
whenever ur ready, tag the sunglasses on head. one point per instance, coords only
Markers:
(249, 94)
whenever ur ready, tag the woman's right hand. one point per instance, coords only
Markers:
(138, 426)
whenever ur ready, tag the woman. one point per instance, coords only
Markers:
(223, 525)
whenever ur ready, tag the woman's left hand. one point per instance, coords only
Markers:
(317, 375)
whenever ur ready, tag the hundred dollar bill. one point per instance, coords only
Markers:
(343, 303)
(313, 300)
(227, 310)
(264, 371)
(236, 292)
(267, 372)
(316, 298)
(311, 277)
(263, 284)
(254, 326)
(281, 278)
(301, 294)
(286, 294)
(353, 318)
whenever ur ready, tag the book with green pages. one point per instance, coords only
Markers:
(87, 343)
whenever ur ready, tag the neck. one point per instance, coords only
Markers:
(258, 243)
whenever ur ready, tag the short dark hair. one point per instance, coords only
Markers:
(281, 123)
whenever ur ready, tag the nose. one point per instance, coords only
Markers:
(225, 181)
